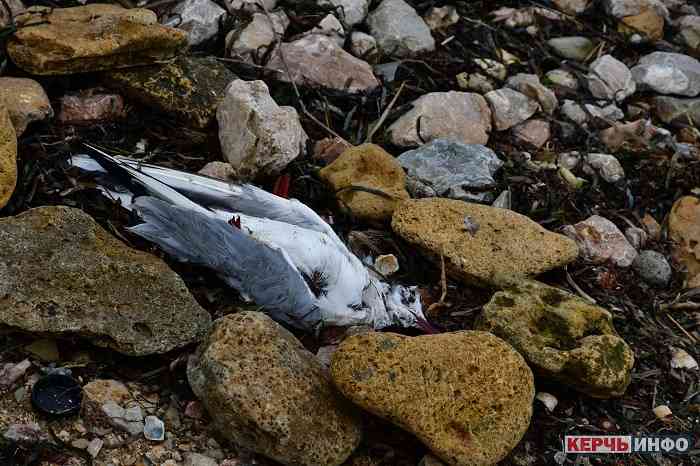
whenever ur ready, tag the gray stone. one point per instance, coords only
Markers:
(653, 267)
(63, 274)
(530, 85)
(267, 393)
(197, 459)
(133, 414)
(318, 61)
(330, 27)
(116, 416)
(563, 78)
(636, 236)
(672, 110)
(469, 119)
(451, 169)
(350, 12)
(573, 111)
(606, 165)
(572, 48)
(252, 42)
(250, 6)
(199, 18)
(257, 136)
(668, 73)
(689, 31)
(399, 30)
(510, 107)
(94, 447)
(25, 434)
(610, 79)
(362, 45)
(153, 429)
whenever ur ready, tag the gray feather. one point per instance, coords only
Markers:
(248, 265)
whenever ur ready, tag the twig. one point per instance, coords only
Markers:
(578, 289)
(689, 305)
(385, 113)
(681, 328)
(443, 283)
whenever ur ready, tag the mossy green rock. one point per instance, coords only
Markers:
(189, 88)
(63, 274)
(266, 393)
(562, 337)
(466, 395)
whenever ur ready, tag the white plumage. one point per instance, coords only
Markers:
(284, 256)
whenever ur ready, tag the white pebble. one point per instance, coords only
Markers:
(386, 264)
(550, 401)
(662, 411)
(680, 359)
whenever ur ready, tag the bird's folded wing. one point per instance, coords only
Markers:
(228, 195)
(257, 269)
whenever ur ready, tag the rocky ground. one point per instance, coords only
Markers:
(534, 168)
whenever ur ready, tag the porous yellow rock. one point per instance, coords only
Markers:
(466, 395)
(684, 231)
(91, 38)
(481, 244)
(25, 101)
(8, 157)
(368, 181)
(267, 393)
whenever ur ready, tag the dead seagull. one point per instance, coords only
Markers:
(275, 251)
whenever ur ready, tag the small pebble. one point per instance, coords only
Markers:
(680, 359)
(94, 447)
(386, 264)
(636, 236)
(154, 429)
(548, 400)
(653, 268)
(662, 411)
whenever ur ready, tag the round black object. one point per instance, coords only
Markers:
(57, 395)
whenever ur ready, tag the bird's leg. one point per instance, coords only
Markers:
(282, 185)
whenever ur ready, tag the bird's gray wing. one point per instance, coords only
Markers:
(256, 269)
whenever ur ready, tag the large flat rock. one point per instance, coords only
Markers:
(91, 38)
(62, 274)
(481, 244)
